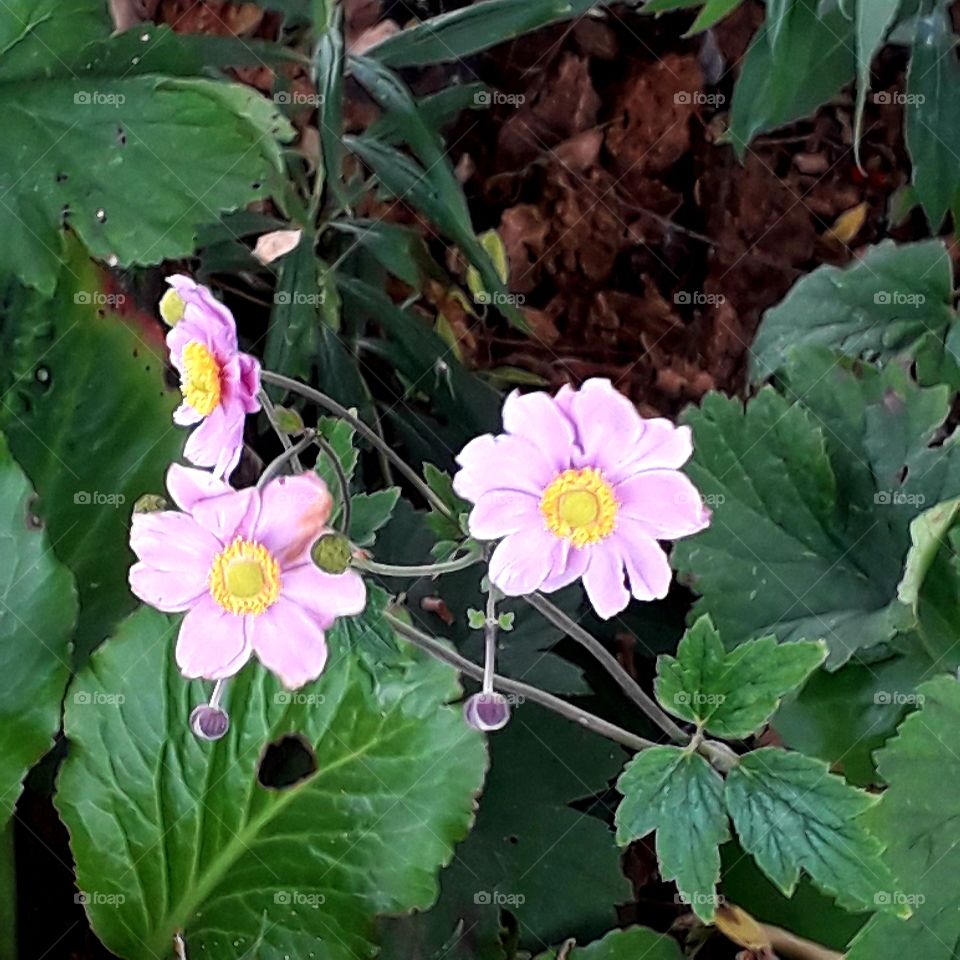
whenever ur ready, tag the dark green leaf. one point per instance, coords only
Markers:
(370, 512)
(633, 943)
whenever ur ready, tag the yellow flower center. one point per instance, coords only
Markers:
(201, 378)
(245, 578)
(580, 506)
(172, 307)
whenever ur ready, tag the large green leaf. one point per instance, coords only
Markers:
(791, 813)
(88, 416)
(732, 694)
(873, 19)
(173, 834)
(678, 794)
(38, 606)
(918, 819)
(633, 943)
(878, 307)
(134, 162)
(933, 115)
(813, 502)
(815, 58)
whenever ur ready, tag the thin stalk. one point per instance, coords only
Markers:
(596, 724)
(271, 415)
(490, 640)
(342, 482)
(610, 663)
(291, 453)
(338, 410)
(420, 570)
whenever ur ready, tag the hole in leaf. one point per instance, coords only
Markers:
(121, 136)
(286, 762)
(62, 178)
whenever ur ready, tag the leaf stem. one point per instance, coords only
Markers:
(421, 570)
(291, 453)
(369, 434)
(609, 662)
(438, 649)
(271, 414)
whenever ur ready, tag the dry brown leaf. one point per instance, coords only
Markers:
(737, 925)
(278, 243)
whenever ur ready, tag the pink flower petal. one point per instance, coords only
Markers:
(212, 644)
(604, 581)
(501, 463)
(325, 596)
(230, 515)
(188, 487)
(291, 643)
(664, 503)
(661, 445)
(168, 540)
(522, 561)
(249, 382)
(571, 566)
(647, 567)
(218, 441)
(171, 591)
(608, 424)
(499, 512)
(538, 418)
(294, 512)
(186, 416)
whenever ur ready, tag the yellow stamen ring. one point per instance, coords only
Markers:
(245, 578)
(201, 378)
(580, 506)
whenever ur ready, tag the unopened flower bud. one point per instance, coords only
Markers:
(150, 503)
(487, 711)
(209, 723)
(289, 420)
(172, 307)
(332, 553)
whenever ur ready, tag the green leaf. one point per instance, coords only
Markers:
(791, 813)
(132, 162)
(873, 19)
(933, 116)
(461, 33)
(712, 13)
(369, 512)
(174, 834)
(814, 60)
(632, 943)
(812, 502)
(678, 794)
(328, 60)
(38, 608)
(917, 818)
(89, 417)
(879, 307)
(778, 12)
(397, 248)
(732, 694)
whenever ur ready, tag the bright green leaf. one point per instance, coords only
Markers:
(369, 512)
(732, 694)
(678, 794)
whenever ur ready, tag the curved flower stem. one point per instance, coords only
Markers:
(441, 651)
(490, 640)
(342, 482)
(422, 570)
(216, 694)
(291, 453)
(610, 663)
(368, 433)
(271, 415)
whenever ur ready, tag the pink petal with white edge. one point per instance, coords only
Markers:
(168, 590)
(168, 540)
(188, 486)
(291, 643)
(499, 512)
(661, 445)
(186, 416)
(538, 418)
(213, 644)
(294, 512)
(663, 503)
(648, 568)
(325, 596)
(501, 463)
(522, 561)
(604, 579)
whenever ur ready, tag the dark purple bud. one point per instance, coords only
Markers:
(487, 711)
(209, 723)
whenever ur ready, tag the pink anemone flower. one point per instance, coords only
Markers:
(238, 562)
(219, 383)
(580, 485)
